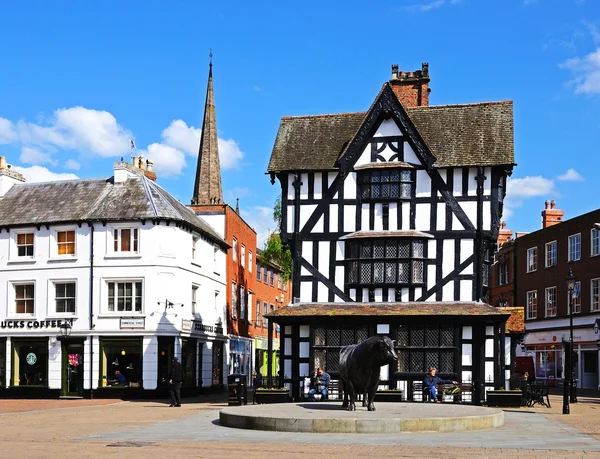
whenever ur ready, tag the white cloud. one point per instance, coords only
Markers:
(7, 132)
(72, 165)
(183, 137)
(423, 6)
(571, 175)
(35, 155)
(230, 154)
(35, 174)
(168, 161)
(261, 219)
(587, 69)
(519, 190)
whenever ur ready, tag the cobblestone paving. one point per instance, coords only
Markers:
(149, 429)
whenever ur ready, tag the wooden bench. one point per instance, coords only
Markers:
(442, 395)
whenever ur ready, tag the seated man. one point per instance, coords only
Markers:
(119, 378)
(430, 385)
(319, 385)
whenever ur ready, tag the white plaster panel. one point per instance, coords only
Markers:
(467, 332)
(324, 257)
(447, 257)
(378, 293)
(388, 128)
(304, 186)
(418, 292)
(487, 183)
(306, 291)
(353, 294)
(55, 365)
(507, 350)
(306, 210)
(404, 295)
(322, 293)
(423, 217)
(489, 371)
(384, 373)
(487, 215)
(350, 186)
(290, 219)
(489, 330)
(304, 370)
(466, 249)
(307, 254)
(365, 156)
(443, 175)
(489, 348)
(467, 376)
(349, 219)
(287, 368)
(391, 295)
(330, 178)
(365, 296)
(318, 228)
(472, 190)
(409, 154)
(431, 245)
(441, 216)
(339, 250)
(383, 328)
(423, 189)
(448, 292)
(304, 350)
(456, 224)
(333, 218)
(393, 216)
(467, 354)
(304, 331)
(287, 350)
(470, 210)
(430, 276)
(466, 290)
(364, 216)
(150, 367)
(406, 216)
(378, 223)
(290, 180)
(339, 277)
(318, 188)
(457, 187)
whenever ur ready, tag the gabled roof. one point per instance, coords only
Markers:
(457, 135)
(138, 198)
(415, 308)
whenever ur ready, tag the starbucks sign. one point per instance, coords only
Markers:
(31, 358)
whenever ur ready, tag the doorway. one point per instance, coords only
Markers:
(166, 348)
(72, 365)
(590, 370)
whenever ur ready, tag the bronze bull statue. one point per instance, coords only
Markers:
(360, 365)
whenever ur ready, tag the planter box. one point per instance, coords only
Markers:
(272, 396)
(388, 396)
(504, 398)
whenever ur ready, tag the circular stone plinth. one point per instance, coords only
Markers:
(328, 417)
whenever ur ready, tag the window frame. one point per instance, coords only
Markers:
(265, 322)
(135, 229)
(503, 273)
(258, 314)
(532, 259)
(531, 303)
(195, 288)
(595, 305)
(250, 261)
(576, 299)
(576, 245)
(14, 246)
(551, 261)
(258, 273)
(53, 298)
(365, 181)
(552, 310)
(234, 293)
(594, 232)
(242, 302)
(14, 299)
(234, 249)
(115, 312)
(243, 256)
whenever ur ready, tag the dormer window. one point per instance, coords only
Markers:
(386, 184)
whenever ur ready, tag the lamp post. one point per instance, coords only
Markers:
(568, 388)
(65, 330)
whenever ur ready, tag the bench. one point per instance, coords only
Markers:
(334, 391)
(535, 393)
(443, 392)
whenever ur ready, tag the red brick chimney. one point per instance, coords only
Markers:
(504, 234)
(412, 88)
(551, 215)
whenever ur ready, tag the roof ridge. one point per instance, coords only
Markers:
(146, 186)
(59, 182)
(322, 115)
(429, 107)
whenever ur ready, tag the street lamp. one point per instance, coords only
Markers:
(65, 330)
(570, 389)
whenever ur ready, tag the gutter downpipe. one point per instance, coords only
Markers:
(91, 309)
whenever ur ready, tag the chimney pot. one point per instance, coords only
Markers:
(149, 165)
(394, 71)
(2, 162)
(547, 204)
(553, 204)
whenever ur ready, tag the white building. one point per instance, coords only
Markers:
(137, 276)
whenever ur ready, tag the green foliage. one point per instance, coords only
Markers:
(273, 250)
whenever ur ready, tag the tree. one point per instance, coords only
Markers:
(273, 251)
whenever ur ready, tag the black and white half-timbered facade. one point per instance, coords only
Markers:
(392, 217)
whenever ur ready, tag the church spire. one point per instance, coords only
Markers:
(207, 188)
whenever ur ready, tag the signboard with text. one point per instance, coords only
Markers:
(134, 323)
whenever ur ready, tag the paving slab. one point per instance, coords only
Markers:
(390, 418)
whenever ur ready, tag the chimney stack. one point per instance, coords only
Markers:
(551, 215)
(504, 234)
(411, 88)
(2, 162)
(149, 173)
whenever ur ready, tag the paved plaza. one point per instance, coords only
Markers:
(140, 429)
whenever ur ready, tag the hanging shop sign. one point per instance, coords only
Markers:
(200, 327)
(186, 325)
(133, 323)
(34, 324)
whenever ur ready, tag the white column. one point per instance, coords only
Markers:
(150, 365)
(8, 362)
(92, 351)
(54, 365)
(207, 364)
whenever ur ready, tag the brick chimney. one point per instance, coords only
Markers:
(504, 234)
(412, 88)
(8, 177)
(149, 173)
(551, 215)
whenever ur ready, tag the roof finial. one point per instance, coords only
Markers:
(210, 55)
(237, 206)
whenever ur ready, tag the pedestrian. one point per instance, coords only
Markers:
(175, 379)
(430, 385)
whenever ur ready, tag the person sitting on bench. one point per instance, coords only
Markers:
(430, 385)
(320, 385)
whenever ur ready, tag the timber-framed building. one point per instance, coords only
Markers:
(392, 216)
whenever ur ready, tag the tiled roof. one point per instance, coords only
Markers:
(457, 135)
(441, 308)
(516, 322)
(96, 200)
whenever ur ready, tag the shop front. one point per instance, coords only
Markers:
(72, 368)
(121, 364)
(240, 357)
(261, 358)
(29, 375)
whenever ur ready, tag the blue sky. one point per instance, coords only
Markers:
(77, 81)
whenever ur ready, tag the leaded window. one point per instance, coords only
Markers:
(386, 184)
(420, 347)
(329, 340)
(385, 262)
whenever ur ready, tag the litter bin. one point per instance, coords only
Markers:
(237, 389)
